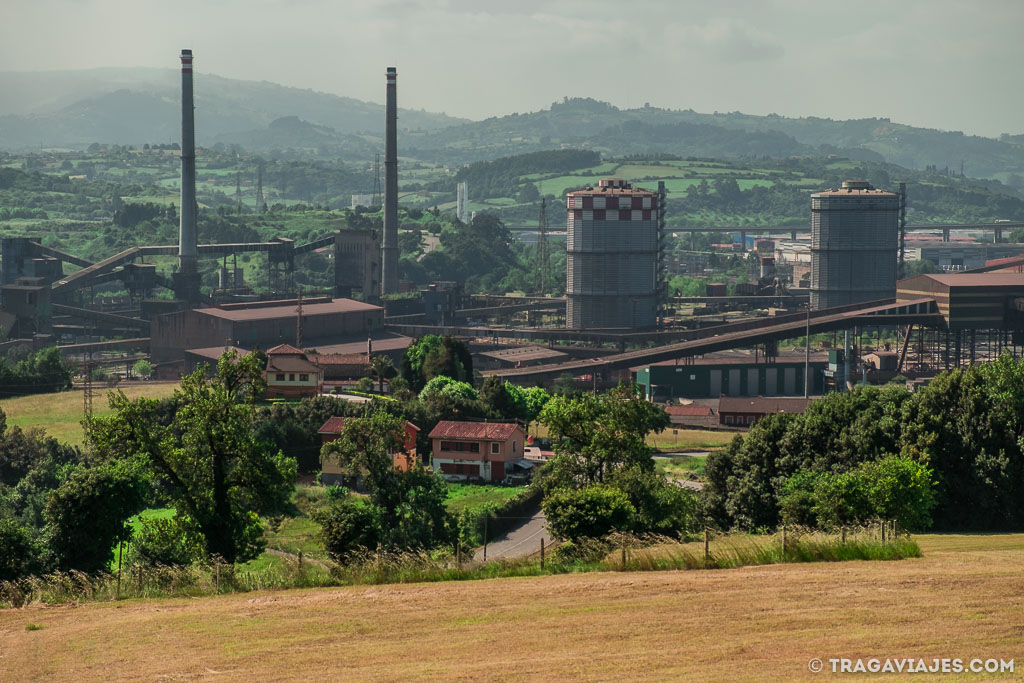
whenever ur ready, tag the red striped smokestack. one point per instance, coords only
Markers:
(389, 251)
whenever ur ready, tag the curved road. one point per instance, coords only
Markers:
(519, 542)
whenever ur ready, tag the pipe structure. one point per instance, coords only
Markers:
(187, 240)
(389, 251)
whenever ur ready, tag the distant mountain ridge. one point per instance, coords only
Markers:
(134, 106)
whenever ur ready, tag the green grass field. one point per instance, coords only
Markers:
(674, 439)
(469, 496)
(681, 466)
(60, 414)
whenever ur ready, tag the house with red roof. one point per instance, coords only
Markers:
(330, 469)
(290, 374)
(487, 451)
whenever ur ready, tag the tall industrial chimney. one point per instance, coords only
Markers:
(186, 283)
(389, 255)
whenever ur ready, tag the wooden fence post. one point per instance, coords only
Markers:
(783, 541)
(542, 553)
(300, 559)
(707, 548)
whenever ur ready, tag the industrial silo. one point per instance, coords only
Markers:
(611, 257)
(854, 240)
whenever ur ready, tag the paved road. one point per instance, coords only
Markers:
(523, 540)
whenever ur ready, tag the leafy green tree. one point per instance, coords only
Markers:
(170, 542)
(596, 435)
(221, 478)
(349, 526)
(661, 507)
(408, 509)
(85, 516)
(446, 387)
(143, 368)
(593, 511)
(891, 488)
(19, 555)
(431, 356)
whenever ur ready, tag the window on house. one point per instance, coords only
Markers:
(303, 377)
(474, 448)
(279, 377)
(513, 446)
(495, 448)
(447, 445)
(291, 376)
(728, 419)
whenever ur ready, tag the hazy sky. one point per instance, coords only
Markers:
(939, 63)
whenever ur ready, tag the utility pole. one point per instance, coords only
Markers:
(807, 353)
(298, 324)
(261, 202)
(238, 192)
(87, 391)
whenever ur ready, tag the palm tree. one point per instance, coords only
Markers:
(382, 367)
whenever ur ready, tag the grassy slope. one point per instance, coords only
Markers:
(61, 414)
(752, 623)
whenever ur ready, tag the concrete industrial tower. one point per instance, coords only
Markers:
(611, 257)
(186, 280)
(389, 252)
(854, 245)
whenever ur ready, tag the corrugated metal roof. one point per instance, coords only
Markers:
(334, 425)
(447, 429)
(975, 279)
(290, 310)
(291, 364)
(215, 352)
(285, 350)
(689, 411)
(762, 404)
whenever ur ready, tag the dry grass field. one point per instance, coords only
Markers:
(60, 414)
(965, 598)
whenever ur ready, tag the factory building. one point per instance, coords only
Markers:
(264, 325)
(357, 263)
(611, 257)
(854, 240)
(984, 301)
(730, 375)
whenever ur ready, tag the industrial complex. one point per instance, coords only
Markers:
(832, 285)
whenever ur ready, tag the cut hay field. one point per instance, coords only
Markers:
(60, 414)
(747, 624)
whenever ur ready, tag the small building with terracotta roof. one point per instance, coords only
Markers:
(486, 451)
(736, 411)
(330, 470)
(290, 374)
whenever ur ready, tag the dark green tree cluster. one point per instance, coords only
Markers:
(40, 372)
(501, 177)
(218, 475)
(480, 255)
(963, 432)
(602, 478)
(405, 509)
(432, 356)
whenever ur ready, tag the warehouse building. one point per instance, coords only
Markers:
(730, 375)
(263, 325)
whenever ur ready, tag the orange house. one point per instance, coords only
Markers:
(330, 470)
(476, 450)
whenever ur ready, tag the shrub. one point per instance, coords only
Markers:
(348, 526)
(590, 512)
(170, 542)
